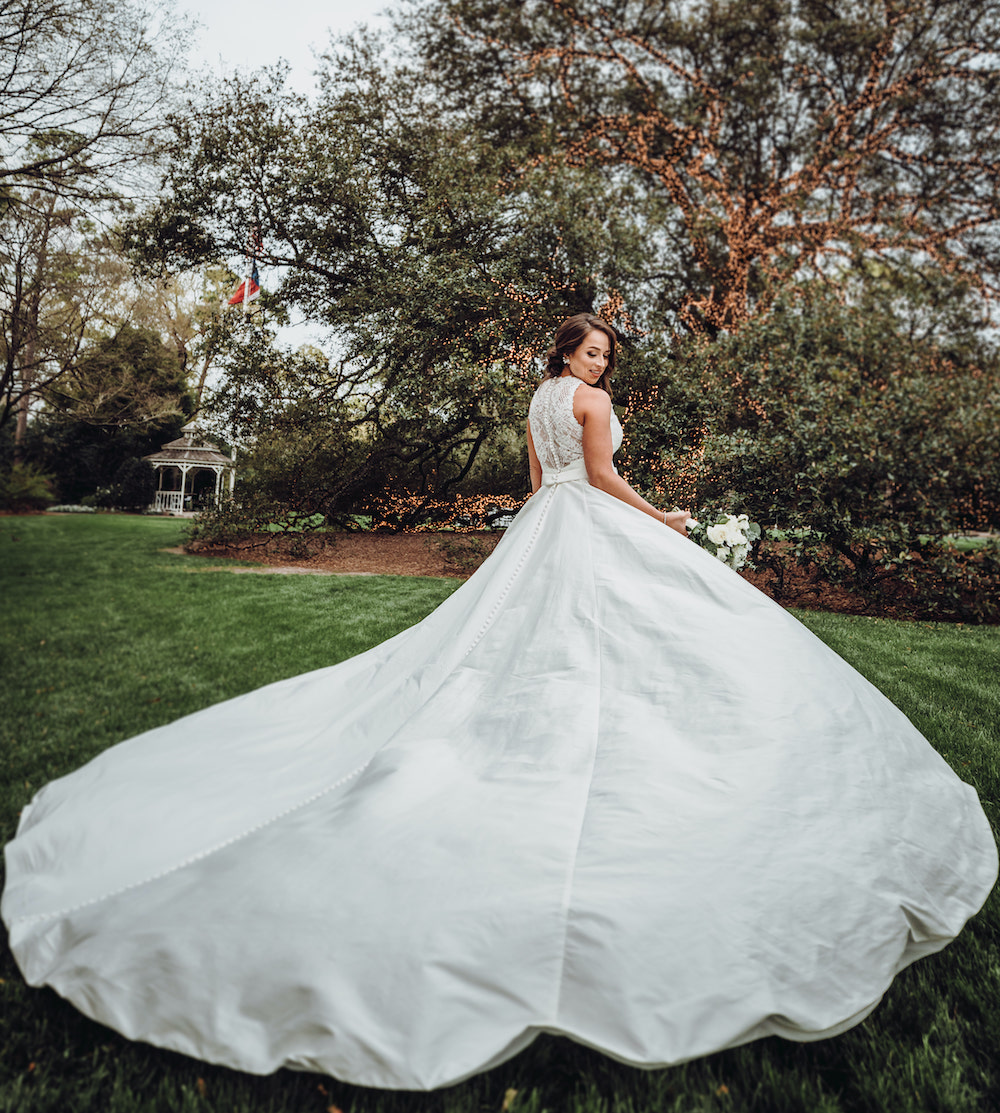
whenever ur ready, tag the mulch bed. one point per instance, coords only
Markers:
(459, 554)
(382, 554)
(804, 590)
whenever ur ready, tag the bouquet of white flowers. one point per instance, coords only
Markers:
(729, 538)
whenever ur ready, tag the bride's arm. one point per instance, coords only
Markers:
(534, 467)
(592, 407)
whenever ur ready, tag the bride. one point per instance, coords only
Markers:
(607, 790)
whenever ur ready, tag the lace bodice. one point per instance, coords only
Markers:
(557, 435)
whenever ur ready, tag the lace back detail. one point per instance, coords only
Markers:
(557, 435)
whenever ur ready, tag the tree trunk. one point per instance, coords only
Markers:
(30, 332)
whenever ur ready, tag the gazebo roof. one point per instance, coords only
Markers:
(193, 449)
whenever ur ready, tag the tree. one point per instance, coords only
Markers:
(81, 118)
(119, 401)
(127, 381)
(783, 134)
(658, 165)
(84, 82)
(439, 276)
(43, 302)
(186, 311)
(65, 285)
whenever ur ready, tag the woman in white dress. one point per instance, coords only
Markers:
(607, 790)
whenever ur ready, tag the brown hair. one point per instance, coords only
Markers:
(569, 336)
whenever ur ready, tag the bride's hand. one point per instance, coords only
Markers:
(678, 520)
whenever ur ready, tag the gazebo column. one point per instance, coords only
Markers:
(185, 468)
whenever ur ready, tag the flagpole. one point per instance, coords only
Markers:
(246, 287)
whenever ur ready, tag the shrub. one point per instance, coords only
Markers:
(235, 524)
(23, 487)
(132, 487)
(870, 446)
(942, 581)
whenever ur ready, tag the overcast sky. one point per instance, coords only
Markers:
(248, 34)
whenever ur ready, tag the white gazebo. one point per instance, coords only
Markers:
(190, 454)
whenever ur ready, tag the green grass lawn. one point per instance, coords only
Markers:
(104, 636)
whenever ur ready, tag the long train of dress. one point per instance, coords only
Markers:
(607, 789)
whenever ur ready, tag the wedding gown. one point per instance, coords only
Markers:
(607, 789)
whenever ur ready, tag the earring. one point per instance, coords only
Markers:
(566, 360)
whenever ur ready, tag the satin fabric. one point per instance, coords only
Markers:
(607, 789)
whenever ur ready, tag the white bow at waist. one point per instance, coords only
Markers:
(576, 470)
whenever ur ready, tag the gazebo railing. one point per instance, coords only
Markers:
(172, 501)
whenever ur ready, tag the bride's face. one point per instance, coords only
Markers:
(591, 358)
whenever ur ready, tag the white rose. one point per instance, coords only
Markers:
(732, 534)
(722, 553)
(717, 534)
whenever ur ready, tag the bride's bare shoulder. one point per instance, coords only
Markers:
(592, 402)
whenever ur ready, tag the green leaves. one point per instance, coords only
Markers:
(827, 420)
(438, 261)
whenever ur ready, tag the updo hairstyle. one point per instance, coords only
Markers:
(569, 336)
